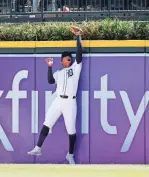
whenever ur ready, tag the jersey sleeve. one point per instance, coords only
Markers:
(77, 68)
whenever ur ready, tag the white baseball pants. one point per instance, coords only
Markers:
(67, 108)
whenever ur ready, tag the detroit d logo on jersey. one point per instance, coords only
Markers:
(70, 73)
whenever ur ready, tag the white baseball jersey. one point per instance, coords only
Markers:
(67, 84)
(67, 80)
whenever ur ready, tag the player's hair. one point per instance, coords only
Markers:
(65, 54)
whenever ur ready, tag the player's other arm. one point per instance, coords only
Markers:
(51, 79)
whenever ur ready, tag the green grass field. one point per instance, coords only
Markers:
(74, 171)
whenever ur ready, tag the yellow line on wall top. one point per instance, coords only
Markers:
(118, 43)
(17, 44)
(86, 43)
(41, 44)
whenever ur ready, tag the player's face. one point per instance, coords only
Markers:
(66, 61)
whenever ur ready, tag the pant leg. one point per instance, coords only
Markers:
(53, 113)
(69, 111)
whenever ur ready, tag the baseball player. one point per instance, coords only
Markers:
(65, 101)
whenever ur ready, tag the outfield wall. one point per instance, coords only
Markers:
(113, 96)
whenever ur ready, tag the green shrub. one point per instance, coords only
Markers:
(93, 30)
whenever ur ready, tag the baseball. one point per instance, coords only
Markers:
(50, 62)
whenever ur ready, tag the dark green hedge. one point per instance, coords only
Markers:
(101, 30)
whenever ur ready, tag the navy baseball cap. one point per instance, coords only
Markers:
(66, 54)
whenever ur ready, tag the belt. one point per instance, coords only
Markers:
(65, 96)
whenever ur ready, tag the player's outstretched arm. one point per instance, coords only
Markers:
(79, 50)
(51, 79)
(78, 32)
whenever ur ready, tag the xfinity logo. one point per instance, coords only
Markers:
(103, 94)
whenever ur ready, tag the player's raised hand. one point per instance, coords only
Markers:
(76, 30)
(49, 61)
